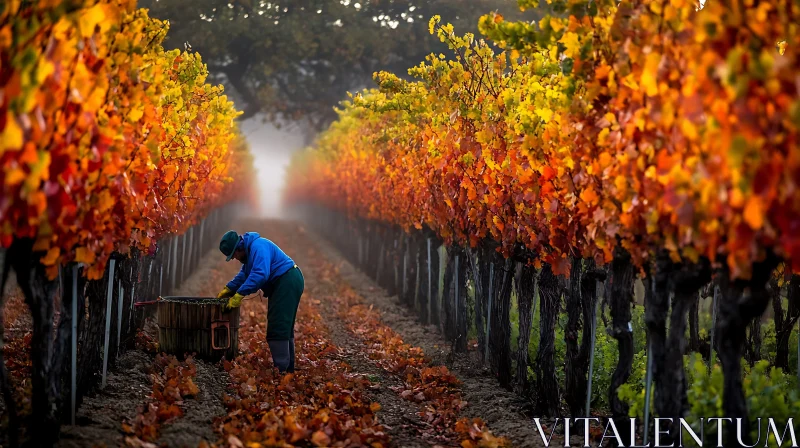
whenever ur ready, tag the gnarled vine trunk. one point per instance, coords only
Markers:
(500, 337)
(687, 280)
(397, 263)
(39, 293)
(448, 299)
(475, 275)
(414, 279)
(548, 398)
(60, 371)
(574, 370)
(488, 273)
(435, 299)
(407, 271)
(753, 345)
(90, 334)
(656, 309)
(741, 302)
(388, 269)
(526, 290)
(785, 323)
(421, 292)
(588, 292)
(460, 300)
(620, 302)
(694, 326)
(5, 381)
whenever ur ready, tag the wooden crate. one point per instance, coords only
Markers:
(185, 326)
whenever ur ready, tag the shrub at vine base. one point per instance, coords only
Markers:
(770, 394)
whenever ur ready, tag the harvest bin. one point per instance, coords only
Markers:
(197, 325)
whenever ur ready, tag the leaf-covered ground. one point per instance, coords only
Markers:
(368, 374)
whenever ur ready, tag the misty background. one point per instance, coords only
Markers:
(272, 150)
(287, 63)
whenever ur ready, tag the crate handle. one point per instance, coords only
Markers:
(216, 324)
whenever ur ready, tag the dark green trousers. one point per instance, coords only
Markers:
(284, 298)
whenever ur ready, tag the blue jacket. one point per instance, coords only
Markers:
(265, 263)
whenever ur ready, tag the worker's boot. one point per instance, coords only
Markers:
(280, 354)
(290, 369)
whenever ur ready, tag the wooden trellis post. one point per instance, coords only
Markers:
(366, 251)
(714, 329)
(405, 270)
(456, 310)
(430, 297)
(489, 308)
(440, 285)
(648, 382)
(396, 269)
(416, 281)
(183, 259)
(163, 271)
(174, 262)
(380, 262)
(109, 299)
(591, 361)
(191, 264)
(74, 349)
(119, 312)
(201, 243)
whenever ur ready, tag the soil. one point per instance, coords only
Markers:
(99, 419)
(197, 423)
(399, 417)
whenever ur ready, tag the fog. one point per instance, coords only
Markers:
(272, 149)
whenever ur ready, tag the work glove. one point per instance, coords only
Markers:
(234, 302)
(225, 293)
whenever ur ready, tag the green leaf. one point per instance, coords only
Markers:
(566, 66)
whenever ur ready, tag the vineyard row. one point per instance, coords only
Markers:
(111, 148)
(97, 321)
(626, 139)
(476, 296)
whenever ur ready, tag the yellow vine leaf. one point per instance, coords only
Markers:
(650, 74)
(89, 20)
(572, 44)
(11, 138)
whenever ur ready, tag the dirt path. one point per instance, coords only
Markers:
(197, 423)
(398, 416)
(99, 419)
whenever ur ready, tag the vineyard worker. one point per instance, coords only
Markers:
(268, 268)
